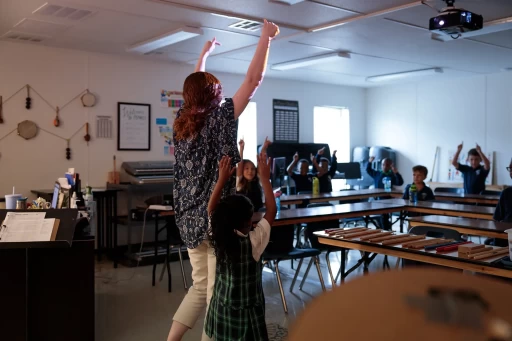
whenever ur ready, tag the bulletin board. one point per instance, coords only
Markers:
(133, 126)
(286, 121)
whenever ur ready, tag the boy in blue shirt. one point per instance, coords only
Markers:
(503, 211)
(475, 174)
(388, 170)
(303, 180)
(419, 174)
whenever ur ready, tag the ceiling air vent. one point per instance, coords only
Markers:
(247, 25)
(63, 12)
(19, 36)
(154, 53)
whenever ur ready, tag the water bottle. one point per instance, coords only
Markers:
(413, 194)
(387, 184)
(316, 186)
(278, 204)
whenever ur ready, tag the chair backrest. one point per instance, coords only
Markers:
(436, 232)
(305, 192)
(319, 226)
(489, 192)
(449, 190)
(281, 238)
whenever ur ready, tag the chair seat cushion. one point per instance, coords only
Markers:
(294, 253)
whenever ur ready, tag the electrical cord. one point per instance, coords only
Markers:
(109, 280)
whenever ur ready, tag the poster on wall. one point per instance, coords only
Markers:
(455, 176)
(171, 99)
(133, 126)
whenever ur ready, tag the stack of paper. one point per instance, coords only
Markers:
(28, 227)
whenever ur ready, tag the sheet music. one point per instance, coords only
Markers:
(26, 227)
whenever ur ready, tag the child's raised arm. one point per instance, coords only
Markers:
(225, 172)
(487, 163)
(264, 175)
(455, 161)
(292, 165)
(207, 49)
(240, 166)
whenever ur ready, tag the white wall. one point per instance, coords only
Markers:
(415, 118)
(60, 74)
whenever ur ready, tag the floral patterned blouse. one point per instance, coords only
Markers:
(196, 171)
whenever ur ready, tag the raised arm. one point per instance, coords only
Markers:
(292, 165)
(208, 48)
(334, 164)
(264, 175)
(225, 172)
(371, 172)
(240, 167)
(455, 161)
(487, 163)
(316, 165)
(256, 69)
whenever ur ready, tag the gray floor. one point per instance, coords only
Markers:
(128, 308)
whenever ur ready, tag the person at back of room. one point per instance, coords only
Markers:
(419, 174)
(388, 171)
(503, 212)
(475, 174)
(303, 179)
(205, 129)
(247, 181)
(237, 308)
(325, 170)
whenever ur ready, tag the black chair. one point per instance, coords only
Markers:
(356, 220)
(449, 190)
(434, 232)
(489, 192)
(313, 240)
(280, 248)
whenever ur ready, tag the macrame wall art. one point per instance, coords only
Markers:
(29, 129)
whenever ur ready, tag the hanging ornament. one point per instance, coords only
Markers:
(87, 137)
(68, 151)
(88, 99)
(56, 121)
(28, 100)
(1, 110)
(27, 129)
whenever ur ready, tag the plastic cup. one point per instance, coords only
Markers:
(10, 201)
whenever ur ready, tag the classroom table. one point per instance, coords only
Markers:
(474, 227)
(468, 198)
(449, 259)
(437, 208)
(338, 196)
(335, 212)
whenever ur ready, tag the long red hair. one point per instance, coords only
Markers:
(202, 93)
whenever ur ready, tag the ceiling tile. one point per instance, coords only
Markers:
(503, 38)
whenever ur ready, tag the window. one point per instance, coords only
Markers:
(332, 126)
(247, 130)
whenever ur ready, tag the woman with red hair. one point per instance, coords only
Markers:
(204, 131)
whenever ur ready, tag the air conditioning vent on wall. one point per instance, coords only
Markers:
(19, 36)
(247, 25)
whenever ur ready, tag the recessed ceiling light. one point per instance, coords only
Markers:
(176, 36)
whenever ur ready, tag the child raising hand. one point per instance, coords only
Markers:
(237, 307)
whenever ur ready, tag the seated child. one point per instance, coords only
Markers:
(303, 180)
(388, 170)
(247, 181)
(237, 307)
(419, 174)
(503, 211)
(475, 174)
(324, 171)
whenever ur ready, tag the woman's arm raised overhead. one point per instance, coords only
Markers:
(208, 48)
(257, 68)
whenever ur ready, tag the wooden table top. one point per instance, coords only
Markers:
(469, 198)
(449, 259)
(433, 207)
(475, 224)
(378, 309)
(339, 195)
(316, 214)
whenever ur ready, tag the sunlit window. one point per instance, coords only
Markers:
(332, 126)
(247, 129)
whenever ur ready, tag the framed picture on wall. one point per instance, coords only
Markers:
(133, 126)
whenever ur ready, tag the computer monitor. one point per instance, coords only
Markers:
(56, 193)
(350, 170)
(278, 172)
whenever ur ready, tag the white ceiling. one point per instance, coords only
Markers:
(398, 41)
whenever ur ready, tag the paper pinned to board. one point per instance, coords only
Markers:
(28, 227)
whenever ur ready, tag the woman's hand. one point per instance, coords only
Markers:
(269, 29)
(225, 170)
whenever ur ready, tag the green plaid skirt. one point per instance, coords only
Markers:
(226, 324)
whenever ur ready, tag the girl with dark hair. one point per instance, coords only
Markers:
(237, 308)
(204, 131)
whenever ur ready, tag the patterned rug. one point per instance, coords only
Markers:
(276, 332)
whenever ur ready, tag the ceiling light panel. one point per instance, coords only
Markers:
(300, 63)
(166, 39)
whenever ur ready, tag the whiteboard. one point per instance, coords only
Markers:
(133, 126)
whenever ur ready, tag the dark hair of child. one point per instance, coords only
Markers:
(473, 152)
(421, 169)
(232, 213)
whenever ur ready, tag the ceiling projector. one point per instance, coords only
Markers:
(455, 21)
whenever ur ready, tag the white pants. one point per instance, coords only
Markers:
(198, 297)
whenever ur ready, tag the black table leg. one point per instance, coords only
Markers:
(168, 257)
(108, 224)
(342, 264)
(99, 227)
(156, 247)
(116, 254)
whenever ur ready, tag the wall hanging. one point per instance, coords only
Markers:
(133, 126)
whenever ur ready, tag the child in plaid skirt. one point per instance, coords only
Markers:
(237, 307)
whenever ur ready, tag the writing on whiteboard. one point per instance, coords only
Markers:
(134, 123)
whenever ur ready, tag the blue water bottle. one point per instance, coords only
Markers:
(278, 204)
